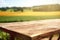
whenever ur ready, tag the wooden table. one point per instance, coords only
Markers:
(32, 30)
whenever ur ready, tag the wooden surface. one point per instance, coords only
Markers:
(33, 28)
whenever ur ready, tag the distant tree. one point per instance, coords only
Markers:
(15, 9)
(3, 9)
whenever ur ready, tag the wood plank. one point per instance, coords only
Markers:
(33, 28)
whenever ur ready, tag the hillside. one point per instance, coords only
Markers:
(51, 7)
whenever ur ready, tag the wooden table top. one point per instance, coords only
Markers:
(33, 28)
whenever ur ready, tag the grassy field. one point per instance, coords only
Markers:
(27, 16)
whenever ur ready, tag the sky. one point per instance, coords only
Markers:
(26, 3)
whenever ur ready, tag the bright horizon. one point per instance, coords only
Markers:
(26, 3)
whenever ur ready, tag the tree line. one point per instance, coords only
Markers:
(15, 9)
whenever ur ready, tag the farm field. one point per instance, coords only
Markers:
(27, 16)
(30, 13)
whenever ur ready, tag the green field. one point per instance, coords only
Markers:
(25, 18)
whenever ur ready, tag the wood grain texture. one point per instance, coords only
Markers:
(33, 29)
